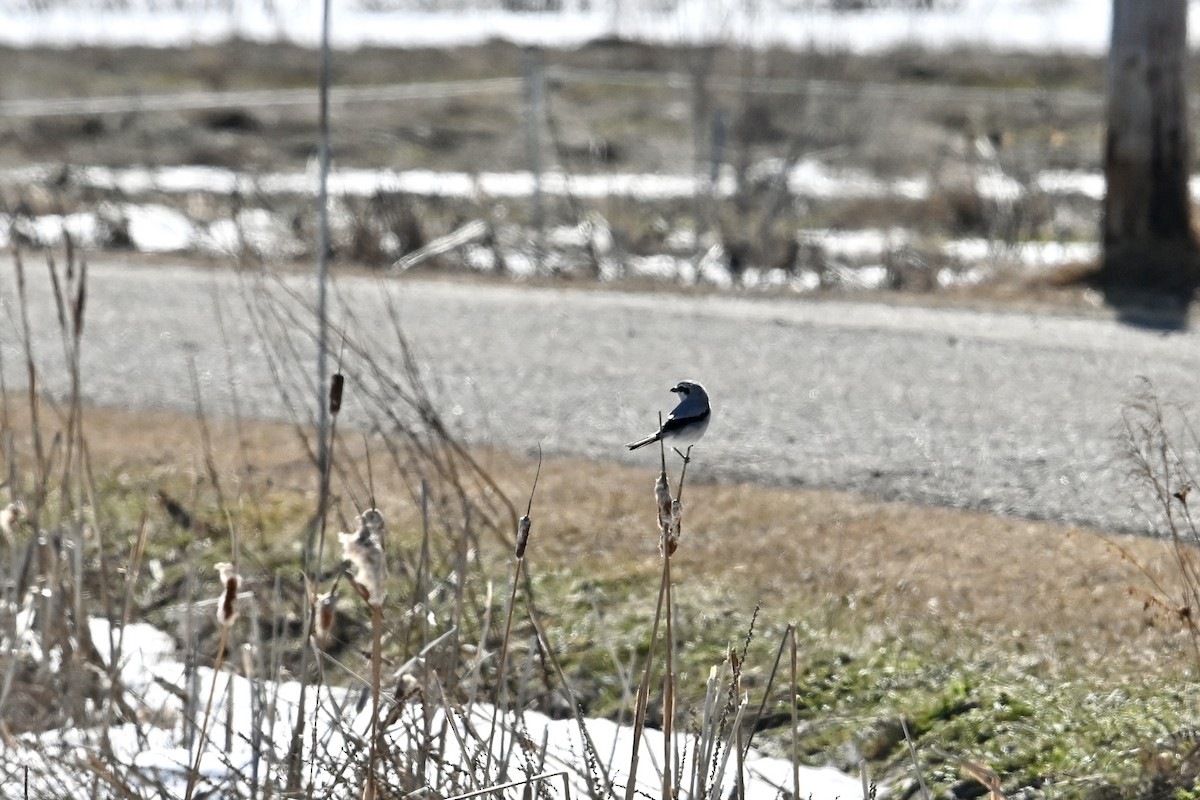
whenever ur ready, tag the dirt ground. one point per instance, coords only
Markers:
(1062, 595)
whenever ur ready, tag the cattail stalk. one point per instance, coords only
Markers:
(226, 616)
(670, 755)
(795, 721)
(670, 522)
(315, 540)
(524, 527)
(369, 790)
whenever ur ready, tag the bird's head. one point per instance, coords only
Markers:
(687, 389)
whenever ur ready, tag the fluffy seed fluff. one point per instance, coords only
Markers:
(11, 516)
(227, 603)
(364, 550)
(662, 499)
(372, 520)
(675, 528)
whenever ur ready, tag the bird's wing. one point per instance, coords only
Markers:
(677, 420)
(689, 408)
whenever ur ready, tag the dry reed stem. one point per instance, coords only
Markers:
(376, 684)
(916, 762)
(526, 783)
(793, 707)
(598, 779)
(984, 775)
(670, 754)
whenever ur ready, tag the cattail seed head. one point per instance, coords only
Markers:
(662, 499)
(523, 535)
(10, 517)
(80, 303)
(336, 384)
(372, 521)
(675, 528)
(364, 550)
(227, 603)
(326, 619)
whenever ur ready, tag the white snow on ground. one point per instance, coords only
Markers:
(1034, 25)
(264, 711)
(156, 228)
(808, 178)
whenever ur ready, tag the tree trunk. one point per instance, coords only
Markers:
(1149, 246)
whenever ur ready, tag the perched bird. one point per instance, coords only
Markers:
(687, 423)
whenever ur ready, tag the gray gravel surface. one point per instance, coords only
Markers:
(1003, 412)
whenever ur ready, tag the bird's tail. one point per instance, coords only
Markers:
(643, 442)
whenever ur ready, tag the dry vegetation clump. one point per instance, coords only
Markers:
(912, 640)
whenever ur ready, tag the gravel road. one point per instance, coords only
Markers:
(1002, 412)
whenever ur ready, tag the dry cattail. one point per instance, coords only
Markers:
(325, 624)
(227, 603)
(10, 517)
(662, 497)
(80, 300)
(336, 384)
(676, 526)
(364, 550)
(372, 520)
(523, 535)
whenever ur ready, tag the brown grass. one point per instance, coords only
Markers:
(1059, 594)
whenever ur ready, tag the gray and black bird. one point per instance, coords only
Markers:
(687, 423)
